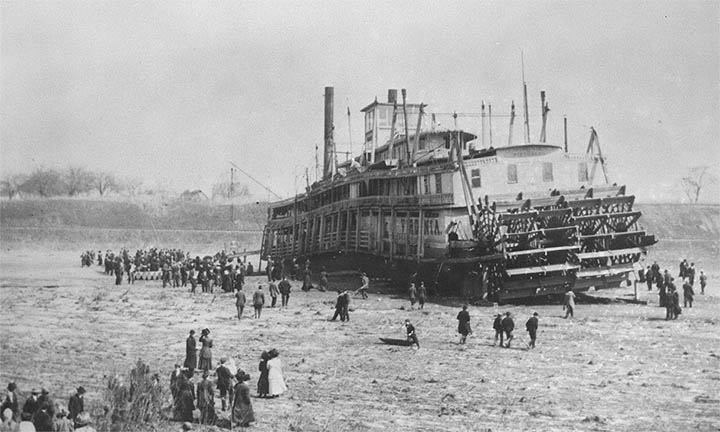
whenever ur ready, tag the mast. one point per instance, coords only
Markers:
(416, 144)
(545, 110)
(350, 131)
(405, 118)
(525, 101)
(490, 123)
(329, 149)
(512, 120)
(482, 124)
(565, 132)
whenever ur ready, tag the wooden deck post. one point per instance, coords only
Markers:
(348, 218)
(392, 232)
(357, 231)
(421, 235)
(379, 233)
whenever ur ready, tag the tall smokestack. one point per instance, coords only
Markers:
(392, 96)
(329, 142)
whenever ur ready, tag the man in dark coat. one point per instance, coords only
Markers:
(32, 404)
(339, 307)
(497, 326)
(688, 294)
(191, 352)
(463, 318)
(45, 399)
(77, 403)
(258, 301)
(43, 418)
(532, 326)
(703, 282)
(649, 278)
(224, 382)
(410, 332)
(240, 301)
(187, 402)
(508, 326)
(284, 287)
(175, 381)
(690, 273)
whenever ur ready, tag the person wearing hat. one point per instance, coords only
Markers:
(284, 287)
(532, 326)
(410, 332)
(45, 399)
(240, 301)
(43, 418)
(422, 294)
(508, 326)
(224, 382)
(412, 293)
(11, 400)
(258, 301)
(464, 329)
(497, 326)
(703, 282)
(206, 399)
(32, 404)
(263, 384)
(191, 352)
(82, 422)
(206, 350)
(569, 303)
(242, 410)
(76, 405)
(273, 293)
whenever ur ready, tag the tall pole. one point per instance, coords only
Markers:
(329, 153)
(405, 117)
(512, 121)
(350, 131)
(490, 123)
(525, 101)
(565, 132)
(230, 189)
(482, 124)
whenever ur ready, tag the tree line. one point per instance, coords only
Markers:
(71, 182)
(76, 181)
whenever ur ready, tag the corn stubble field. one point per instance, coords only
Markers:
(614, 367)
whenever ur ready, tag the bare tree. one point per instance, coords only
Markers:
(105, 182)
(10, 186)
(44, 182)
(78, 180)
(224, 189)
(130, 185)
(696, 180)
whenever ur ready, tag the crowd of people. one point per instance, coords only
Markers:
(175, 267)
(667, 289)
(230, 384)
(42, 413)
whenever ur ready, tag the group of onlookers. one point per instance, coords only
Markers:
(668, 291)
(41, 413)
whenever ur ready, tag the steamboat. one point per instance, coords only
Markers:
(424, 203)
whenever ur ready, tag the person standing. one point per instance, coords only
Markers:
(532, 326)
(410, 333)
(323, 280)
(276, 382)
(191, 352)
(206, 399)
(497, 326)
(669, 308)
(307, 279)
(364, 285)
(690, 273)
(345, 309)
(242, 410)
(273, 293)
(569, 304)
(688, 293)
(703, 282)
(412, 293)
(508, 326)
(11, 400)
(224, 382)
(339, 307)
(649, 278)
(76, 405)
(31, 404)
(463, 318)
(422, 295)
(284, 287)
(187, 401)
(205, 350)
(175, 381)
(240, 302)
(258, 301)
(263, 383)
(675, 300)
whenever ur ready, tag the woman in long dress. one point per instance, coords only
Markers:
(275, 376)
(242, 410)
(263, 385)
(205, 351)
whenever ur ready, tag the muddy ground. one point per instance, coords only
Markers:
(612, 368)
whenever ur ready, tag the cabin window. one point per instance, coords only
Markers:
(582, 172)
(475, 178)
(369, 121)
(421, 144)
(438, 183)
(426, 185)
(547, 171)
(512, 173)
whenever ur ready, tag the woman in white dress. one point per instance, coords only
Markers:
(275, 375)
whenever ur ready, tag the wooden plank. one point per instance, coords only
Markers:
(542, 231)
(612, 235)
(606, 271)
(541, 269)
(541, 251)
(608, 253)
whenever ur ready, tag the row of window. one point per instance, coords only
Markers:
(512, 174)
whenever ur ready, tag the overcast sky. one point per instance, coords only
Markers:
(171, 91)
